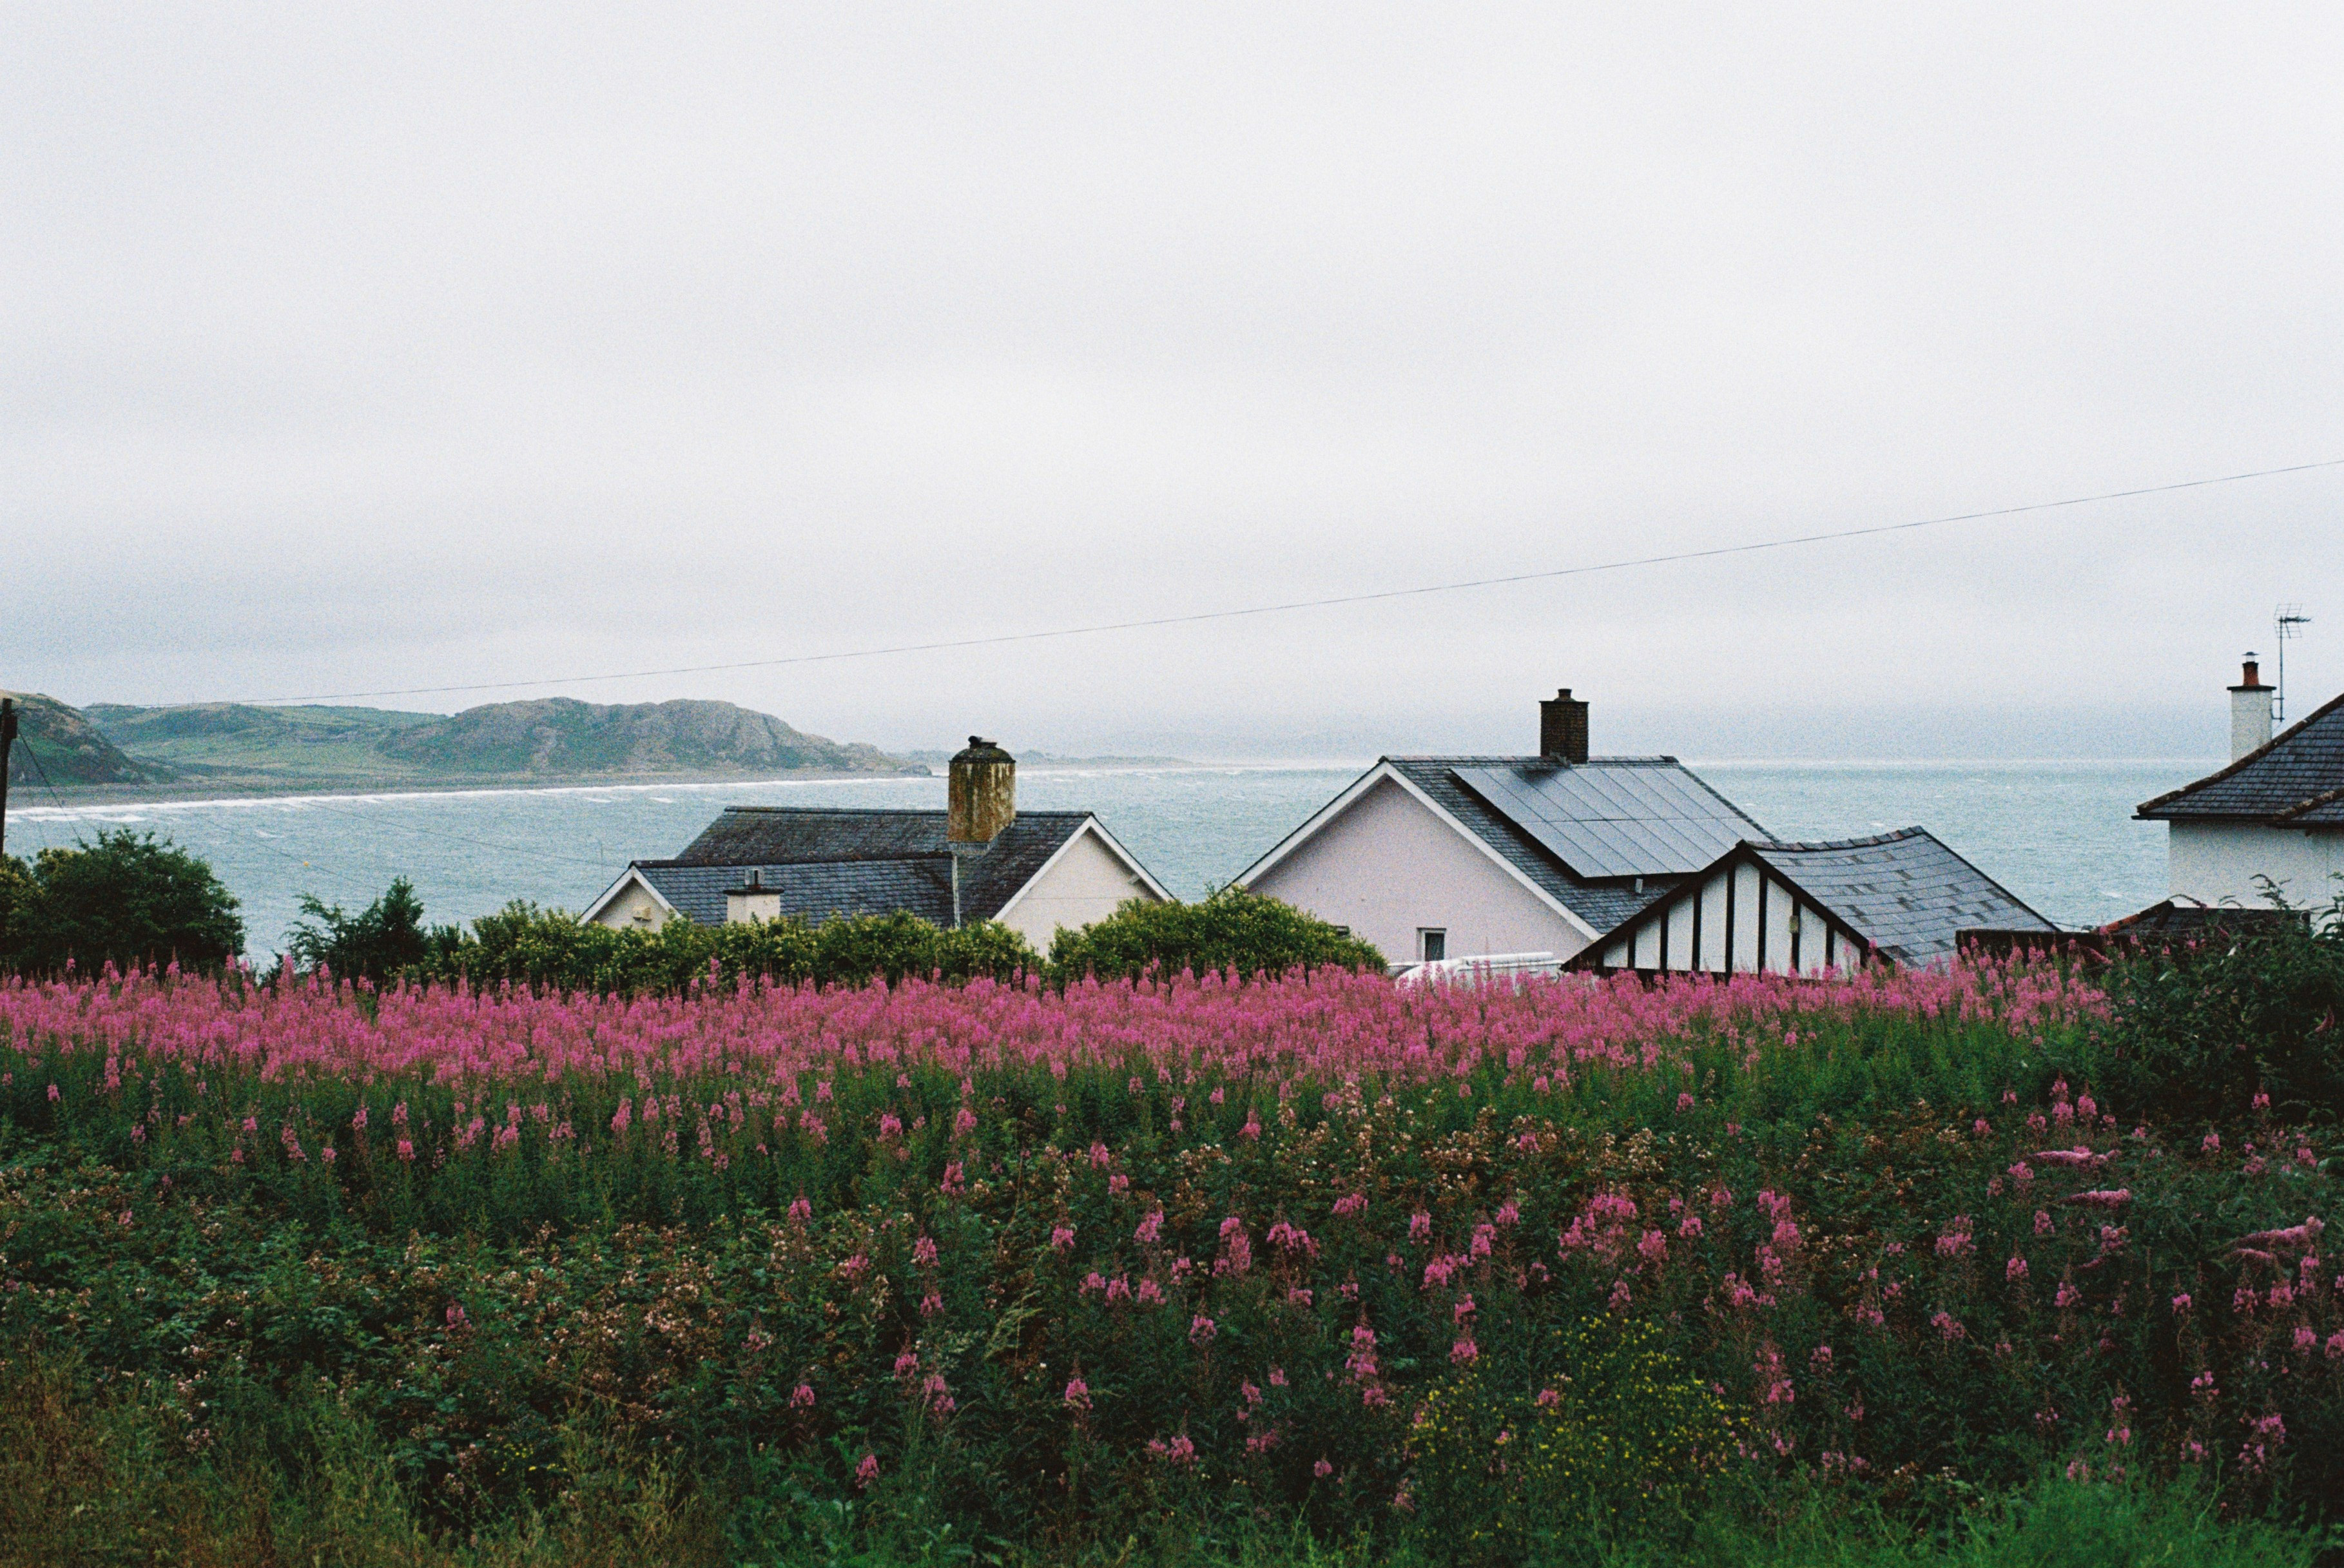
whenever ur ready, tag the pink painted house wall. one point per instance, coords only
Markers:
(1388, 867)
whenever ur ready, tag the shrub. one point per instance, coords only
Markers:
(128, 899)
(2215, 1023)
(1233, 932)
(551, 950)
(381, 941)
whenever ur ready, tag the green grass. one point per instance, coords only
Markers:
(90, 1477)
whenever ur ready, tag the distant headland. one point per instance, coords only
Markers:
(112, 748)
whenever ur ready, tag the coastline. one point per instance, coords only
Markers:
(72, 800)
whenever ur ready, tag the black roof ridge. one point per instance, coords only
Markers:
(673, 864)
(2140, 812)
(876, 811)
(1917, 831)
(1867, 842)
(2314, 802)
(1452, 760)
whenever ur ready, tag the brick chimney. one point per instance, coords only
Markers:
(1563, 728)
(982, 792)
(2250, 712)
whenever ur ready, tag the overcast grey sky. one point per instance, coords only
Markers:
(350, 347)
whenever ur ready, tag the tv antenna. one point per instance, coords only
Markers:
(2291, 621)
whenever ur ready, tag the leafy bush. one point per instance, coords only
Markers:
(555, 951)
(125, 900)
(2202, 1028)
(381, 941)
(1233, 932)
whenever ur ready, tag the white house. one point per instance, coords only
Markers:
(979, 859)
(1810, 908)
(1443, 857)
(2275, 813)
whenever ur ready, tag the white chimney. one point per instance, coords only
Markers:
(2250, 712)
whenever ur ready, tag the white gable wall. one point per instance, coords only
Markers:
(1386, 866)
(1086, 882)
(633, 906)
(2217, 863)
(1760, 904)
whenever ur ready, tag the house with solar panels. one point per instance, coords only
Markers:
(978, 859)
(2274, 817)
(1532, 862)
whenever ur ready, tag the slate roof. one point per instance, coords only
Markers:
(921, 887)
(1903, 891)
(1602, 903)
(2296, 781)
(824, 860)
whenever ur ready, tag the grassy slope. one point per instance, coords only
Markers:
(59, 746)
(233, 740)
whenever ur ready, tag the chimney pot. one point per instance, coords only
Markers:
(1563, 728)
(982, 792)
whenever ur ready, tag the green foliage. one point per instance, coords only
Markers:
(379, 943)
(1573, 1438)
(128, 899)
(587, 1343)
(1233, 932)
(553, 950)
(2198, 1030)
(2051, 1522)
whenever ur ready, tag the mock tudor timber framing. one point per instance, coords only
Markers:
(1649, 929)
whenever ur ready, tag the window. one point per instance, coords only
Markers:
(1432, 946)
(1342, 931)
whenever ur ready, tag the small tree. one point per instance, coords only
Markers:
(379, 943)
(127, 899)
(1233, 932)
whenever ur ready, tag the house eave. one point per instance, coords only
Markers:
(632, 873)
(1090, 826)
(1385, 770)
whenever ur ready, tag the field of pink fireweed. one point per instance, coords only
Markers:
(1063, 1256)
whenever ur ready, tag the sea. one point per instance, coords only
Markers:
(2060, 834)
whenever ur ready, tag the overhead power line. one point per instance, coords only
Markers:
(1331, 602)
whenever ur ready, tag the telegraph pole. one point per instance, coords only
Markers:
(7, 740)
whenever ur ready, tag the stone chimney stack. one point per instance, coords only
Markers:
(2250, 712)
(1563, 728)
(982, 792)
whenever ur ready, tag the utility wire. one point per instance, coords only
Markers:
(1390, 594)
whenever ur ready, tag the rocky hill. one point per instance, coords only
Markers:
(565, 736)
(59, 745)
(239, 746)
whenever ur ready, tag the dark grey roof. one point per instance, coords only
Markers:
(813, 892)
(1903, 891)
(2296, 781)
(1607, 819)
(2176, 918)
(844, 841)
(1602, 903)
